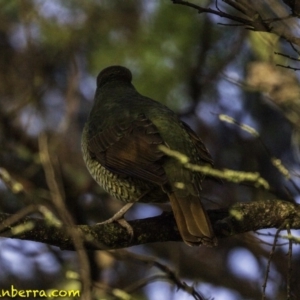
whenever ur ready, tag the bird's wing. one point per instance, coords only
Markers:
(130, 148)
(203, 153)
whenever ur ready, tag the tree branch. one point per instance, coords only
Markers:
(240, 218)
(252, 18)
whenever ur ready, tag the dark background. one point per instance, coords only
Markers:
(50, 54)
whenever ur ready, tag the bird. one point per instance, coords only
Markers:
(121, 145)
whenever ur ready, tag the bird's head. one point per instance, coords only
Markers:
(114, 73)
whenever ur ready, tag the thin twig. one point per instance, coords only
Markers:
(170, 274)
(287, 56)
(269, 261)
(255, 21)
(276, 162)
(18, 216)
(58, 197)
(215, 12)
(290, 269)
(288, 67)
(294, 48)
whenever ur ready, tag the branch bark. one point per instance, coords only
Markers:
(240, 218)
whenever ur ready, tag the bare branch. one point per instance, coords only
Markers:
(215, 12)
(253, 19)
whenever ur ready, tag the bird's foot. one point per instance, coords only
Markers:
(119, 217)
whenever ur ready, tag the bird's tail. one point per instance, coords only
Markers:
(192, 220)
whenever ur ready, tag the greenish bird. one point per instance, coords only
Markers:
(120, 144)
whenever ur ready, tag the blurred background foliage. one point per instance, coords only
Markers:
(50, 53)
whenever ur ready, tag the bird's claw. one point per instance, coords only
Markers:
(119, 217)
